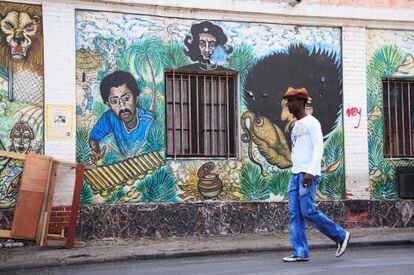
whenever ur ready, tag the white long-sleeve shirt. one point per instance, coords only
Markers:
(307, 146)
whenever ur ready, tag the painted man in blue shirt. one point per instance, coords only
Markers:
(128, 123)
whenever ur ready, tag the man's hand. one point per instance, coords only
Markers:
(307, 180)
(98, 155)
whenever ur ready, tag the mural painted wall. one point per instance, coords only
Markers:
(21, 91)
(121, 125)
(389, 53)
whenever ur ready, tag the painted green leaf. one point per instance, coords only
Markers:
(86, 194)
(159, 187)
(279, 183)
(253, 185)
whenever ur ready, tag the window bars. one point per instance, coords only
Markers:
(398, 111)
(201, 114)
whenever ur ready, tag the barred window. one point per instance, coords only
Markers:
(398, 110)
(201, 114)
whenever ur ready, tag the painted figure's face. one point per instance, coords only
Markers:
(207, 45)
(21, 136)
(19, 29)
(122, 102)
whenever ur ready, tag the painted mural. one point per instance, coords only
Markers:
(21, 91)
(120, 62)
(390, 53)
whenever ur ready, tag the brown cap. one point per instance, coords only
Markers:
(301, 93)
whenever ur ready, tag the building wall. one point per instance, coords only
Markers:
(269, 59)
(356, 164)
(355, 114)
(21, 91)
(60, 55)
(389, 53)
(368, 4)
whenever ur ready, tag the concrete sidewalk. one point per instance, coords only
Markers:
(114, 250)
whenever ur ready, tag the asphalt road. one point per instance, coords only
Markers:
(366, 260)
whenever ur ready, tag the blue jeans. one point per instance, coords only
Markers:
(302, 206)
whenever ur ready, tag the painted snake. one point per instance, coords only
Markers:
(269, 139)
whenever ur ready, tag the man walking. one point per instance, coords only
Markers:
(307, 150)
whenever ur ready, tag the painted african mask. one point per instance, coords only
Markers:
(21, 136)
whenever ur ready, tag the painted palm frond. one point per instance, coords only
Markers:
(86, 194)
(375, 152)
(381, 191)
(159, 109)
(253, 185)
(159, 187)
(155, 139)
(373, 77)
(146, 58)
(83, 151)
(382, 172)
(333, 185)
(333, 147)
(112, 157)
(384, 63)
(375, 127)
(374, 105)
(122, 62)
(279, 183)
(387, 59)
(240, 60)
(115, 196)
(99, 108)
(144, 101)
(174, 57)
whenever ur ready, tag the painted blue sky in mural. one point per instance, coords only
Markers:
(263, 38)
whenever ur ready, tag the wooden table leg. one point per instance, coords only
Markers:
(80, 169)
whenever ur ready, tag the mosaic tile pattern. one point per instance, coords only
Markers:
(219, 218)
(197, 219)
(6, 218)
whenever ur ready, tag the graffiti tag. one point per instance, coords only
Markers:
(353, 111)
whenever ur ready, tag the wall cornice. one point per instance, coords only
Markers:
(261, 11)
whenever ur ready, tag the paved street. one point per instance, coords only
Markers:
(365, 260)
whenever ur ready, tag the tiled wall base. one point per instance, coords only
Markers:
(192, 219)
(196, 219)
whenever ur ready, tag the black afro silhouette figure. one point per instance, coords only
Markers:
(270, 77)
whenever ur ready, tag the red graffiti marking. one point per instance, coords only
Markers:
(353, 111)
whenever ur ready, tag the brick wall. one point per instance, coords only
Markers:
(355, 112)
(59, 218)
(59, 55)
